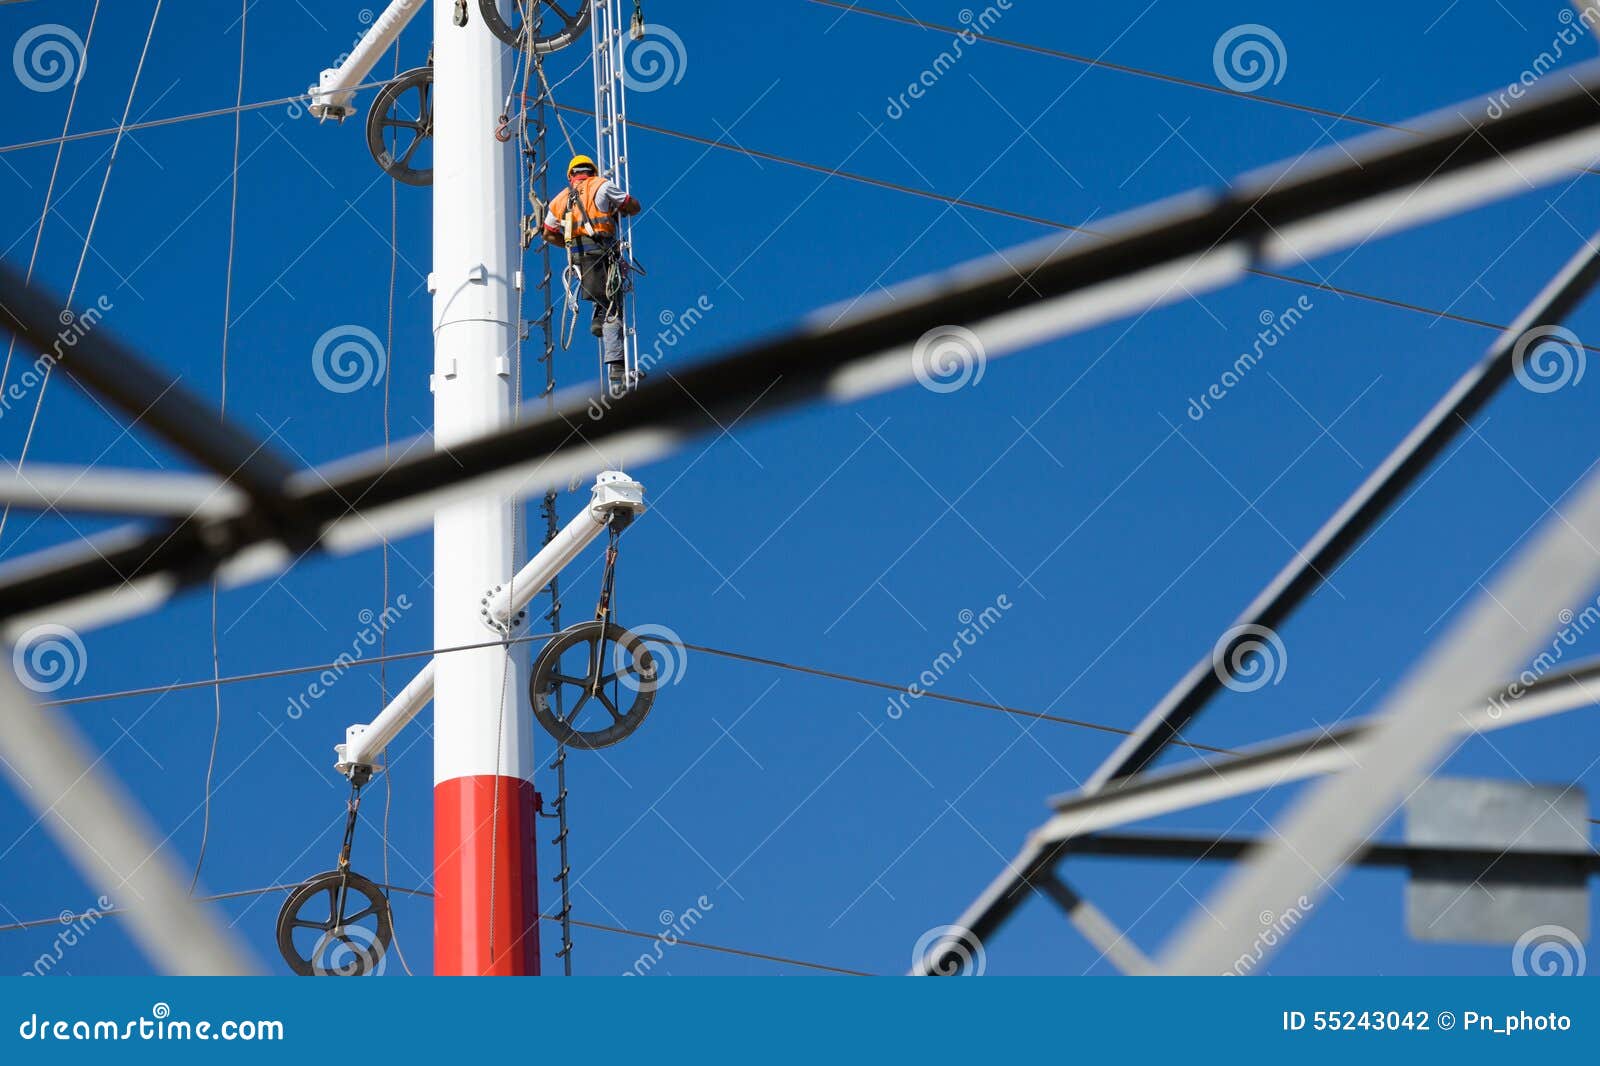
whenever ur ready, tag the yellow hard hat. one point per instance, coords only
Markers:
(581, 161)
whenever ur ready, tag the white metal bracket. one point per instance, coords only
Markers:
(330, 101)
(615, 493)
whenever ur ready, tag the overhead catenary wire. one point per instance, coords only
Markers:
(247, 893)
(938, 697)
(719, 948)
(55, 172)
(70, 918)
(1100, 63)
(1052, 223)
(843, 175)
(383, 631)
(104, 831)
(175, 120)
(88, 240)
(222, 413)
(722, 653)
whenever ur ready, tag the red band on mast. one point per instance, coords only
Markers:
(485, 859)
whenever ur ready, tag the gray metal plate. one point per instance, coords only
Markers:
(1460, 902)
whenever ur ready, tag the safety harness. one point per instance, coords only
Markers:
(619, 267)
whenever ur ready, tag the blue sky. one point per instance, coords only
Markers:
(1069, 480)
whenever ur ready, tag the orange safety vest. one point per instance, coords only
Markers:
(598, 223)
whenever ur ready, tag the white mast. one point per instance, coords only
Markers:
(485, 914)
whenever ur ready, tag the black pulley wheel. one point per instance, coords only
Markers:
(557, 28)
(400, 127)
(317, 940)
(593, 684)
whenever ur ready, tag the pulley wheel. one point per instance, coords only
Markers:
(557, 29)
(593, 685)
(400, 122)
(316, 940)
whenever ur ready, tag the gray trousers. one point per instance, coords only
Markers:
(607, 309)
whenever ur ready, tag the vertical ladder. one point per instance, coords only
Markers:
(611, 147)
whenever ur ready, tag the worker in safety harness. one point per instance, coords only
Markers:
(583, 219)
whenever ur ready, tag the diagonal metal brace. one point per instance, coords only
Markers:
(102, 365)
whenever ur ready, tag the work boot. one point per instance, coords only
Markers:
(615, 378)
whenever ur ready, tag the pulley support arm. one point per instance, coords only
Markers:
(616, 497)
(334, 94)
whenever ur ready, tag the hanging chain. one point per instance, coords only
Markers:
(563, 877)
(537, 162)
(504, 133)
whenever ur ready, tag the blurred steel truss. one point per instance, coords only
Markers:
(1457, 685)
